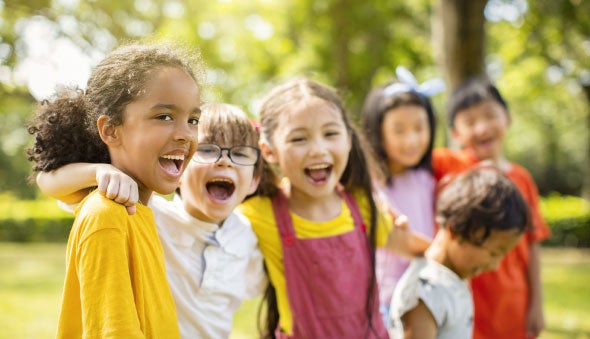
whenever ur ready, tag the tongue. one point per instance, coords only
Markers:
(319, 174)
(168, 165)
(219, 192)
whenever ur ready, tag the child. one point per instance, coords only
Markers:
(399, 124)
(212, 259)
(508, 301)
(140, 113)
(319, 260)
(482, 216)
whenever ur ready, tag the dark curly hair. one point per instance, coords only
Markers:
(481, 199)
(64, 126)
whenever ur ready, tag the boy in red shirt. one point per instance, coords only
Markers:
(508, 301)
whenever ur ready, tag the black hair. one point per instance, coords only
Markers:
(375, 108)
(472, 92)
(481, 199)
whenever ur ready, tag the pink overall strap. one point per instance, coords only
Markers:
(354, 209)
(280, 207)
(327, 279)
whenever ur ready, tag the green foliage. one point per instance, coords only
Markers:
(539, 60)
(33, 221)
(569, 220)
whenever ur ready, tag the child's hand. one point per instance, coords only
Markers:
(117, 186)
(402, 240)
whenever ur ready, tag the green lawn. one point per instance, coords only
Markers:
(31, 277)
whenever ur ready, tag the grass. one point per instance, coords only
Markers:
(31, 278)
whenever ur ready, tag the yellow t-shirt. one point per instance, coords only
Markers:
(259, 211)
(115, 283)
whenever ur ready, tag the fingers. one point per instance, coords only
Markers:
(131, 209)
(401, 221)
(118, 186)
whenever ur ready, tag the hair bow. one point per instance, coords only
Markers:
(407, 83)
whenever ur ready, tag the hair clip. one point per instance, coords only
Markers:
(407, 83)
(255, 124)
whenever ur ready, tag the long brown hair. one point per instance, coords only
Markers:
(356, 175)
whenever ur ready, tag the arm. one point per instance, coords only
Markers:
(106, 293)
(70, 183)
(535, 318)
(419, 323)
(403, 241)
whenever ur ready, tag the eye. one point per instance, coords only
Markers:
(193, 121)
(332, 133)
(164, 117)
(297, 139)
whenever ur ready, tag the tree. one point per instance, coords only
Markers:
(459, 39)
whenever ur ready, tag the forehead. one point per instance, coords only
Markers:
(405, 114)
(309, 113)
(487, 106)
(501, 240)
(169, 83)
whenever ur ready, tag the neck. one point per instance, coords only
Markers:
(396, 168)
(315, 209)
(144, 196)
(438, 250)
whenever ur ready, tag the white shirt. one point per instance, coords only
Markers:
(211, 270)
(445, 294)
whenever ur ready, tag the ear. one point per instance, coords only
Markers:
(254, 185)
(108, 133)
(268, 152)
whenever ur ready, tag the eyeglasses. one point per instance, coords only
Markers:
(239, 155)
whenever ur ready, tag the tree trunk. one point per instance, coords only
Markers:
(586, 169)
(458, 33)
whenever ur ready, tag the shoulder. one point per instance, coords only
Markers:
(97, 206)
(96, 213)
(255, 207)
(517, 171)
(446, 161)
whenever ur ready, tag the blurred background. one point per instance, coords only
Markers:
(537, 52)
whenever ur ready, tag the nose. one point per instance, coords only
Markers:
(481, 127)
(317, 147)
(184, 133)
(224, 159)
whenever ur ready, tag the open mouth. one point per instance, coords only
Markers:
(318, 174)
(172, 164)
(220, 189)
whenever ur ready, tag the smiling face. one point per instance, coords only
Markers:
(210, 192)
(405, 132)
(159, 132)
(468, 259)
(311, 145)
(481, 129)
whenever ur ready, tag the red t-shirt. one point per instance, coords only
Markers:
(501, 297)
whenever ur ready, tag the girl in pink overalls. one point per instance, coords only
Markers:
(318, 229)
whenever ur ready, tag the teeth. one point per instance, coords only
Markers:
(174, 157)
(317, 167)
(221, 180)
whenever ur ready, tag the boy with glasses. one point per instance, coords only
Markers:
(212, 257)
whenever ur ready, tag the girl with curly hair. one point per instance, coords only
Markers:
(139, 113)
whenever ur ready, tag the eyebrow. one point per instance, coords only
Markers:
(196, 110)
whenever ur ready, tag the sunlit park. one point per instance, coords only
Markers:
(536, 52)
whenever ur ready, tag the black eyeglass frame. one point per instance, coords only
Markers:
(220, 150)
